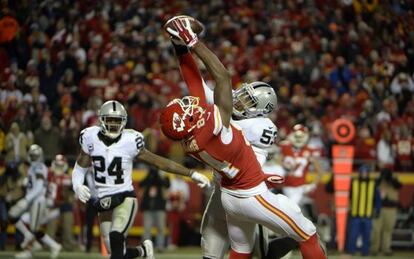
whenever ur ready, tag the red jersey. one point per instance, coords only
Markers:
(297, 162)
(56, 184)
(225, 150)
(404, 149)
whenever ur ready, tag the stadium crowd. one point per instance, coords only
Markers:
(60, 60)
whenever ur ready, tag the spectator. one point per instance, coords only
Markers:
(385, 154)
(365, 147)
(2, 140)
(63, 201)
(24, 121)
(154, 188)
(384, 222)
(363, 205)
(341, 76)
(48, 137)
(9, 90)
(12, 184)
(403, 147)
(69, 131)
(402, 83)
(179, 194)
(16, 145)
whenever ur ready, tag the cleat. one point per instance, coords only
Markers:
(54, 252)
(149, 249)
(24, 255)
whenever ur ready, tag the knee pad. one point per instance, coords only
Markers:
(117, 240)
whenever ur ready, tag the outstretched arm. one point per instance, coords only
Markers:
(180, 27)
(222, 91)
(190, 72)
(172, 167)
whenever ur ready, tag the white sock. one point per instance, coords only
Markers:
(24, 230)
(49, 242)
(51, 215)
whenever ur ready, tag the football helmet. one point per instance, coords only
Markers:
(59, 165)
(256, 99)
(112, 118)
(299, 137)
(180, 117)
(35, 153)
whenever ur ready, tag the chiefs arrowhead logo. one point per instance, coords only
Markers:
(178, 123)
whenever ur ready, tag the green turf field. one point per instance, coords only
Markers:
(192, 253)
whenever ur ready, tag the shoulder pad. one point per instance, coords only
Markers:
(135, 137)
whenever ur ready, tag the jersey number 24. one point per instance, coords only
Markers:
(114, 169)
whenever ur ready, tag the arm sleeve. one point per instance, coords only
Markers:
(192, 77)
(36, 190)
(78, 176)
(82, 141)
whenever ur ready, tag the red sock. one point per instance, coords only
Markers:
(311, 249)
(237, 255)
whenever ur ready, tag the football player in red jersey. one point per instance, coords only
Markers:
(297, 157)
(207, 134)
(254, 102)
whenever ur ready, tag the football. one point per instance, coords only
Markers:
(196, 25)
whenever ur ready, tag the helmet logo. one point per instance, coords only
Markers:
(269, 107)
(177, 122)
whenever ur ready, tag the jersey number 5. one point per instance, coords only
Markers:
(114, 169)
(268, 137)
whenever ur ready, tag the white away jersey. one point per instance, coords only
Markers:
(112, 165)
(260, 132)
(35, 169)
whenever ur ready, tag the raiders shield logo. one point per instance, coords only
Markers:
(105, 203)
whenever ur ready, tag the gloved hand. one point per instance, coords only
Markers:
(17, 210)
(181, 28)
(83, 193)
(201, 179)
(309, 188)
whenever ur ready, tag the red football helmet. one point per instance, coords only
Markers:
(299, 136)
(59, 165)
(180, 117)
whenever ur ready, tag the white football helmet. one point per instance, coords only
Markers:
(254, 99)
(299, 137)
(112, 118)
(35, 153)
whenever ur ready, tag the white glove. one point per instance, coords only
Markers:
(201, 179)
(18, 208)
(309, 188)
(181, 28)
(83, 193)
